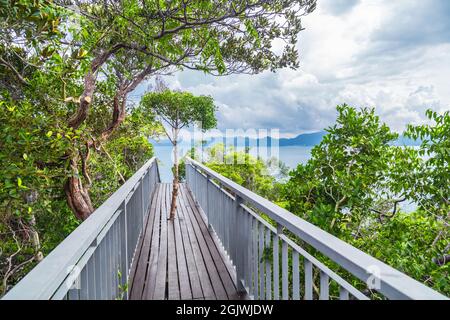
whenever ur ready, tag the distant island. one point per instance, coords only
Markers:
(302, 140)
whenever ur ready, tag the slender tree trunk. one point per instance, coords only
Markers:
(38, 256)
(176, 185)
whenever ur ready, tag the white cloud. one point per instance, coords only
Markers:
(373, 53)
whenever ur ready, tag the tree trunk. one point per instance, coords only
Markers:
(173, 206)
(77, 195)
(38, 256)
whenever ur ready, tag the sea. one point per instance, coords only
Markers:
(289, 155)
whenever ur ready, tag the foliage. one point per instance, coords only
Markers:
(243, 168)
(432, 175)
(356, 179)
(32, 202)
(347, 180)
(406, 243)
(179, 110)
(66, 71)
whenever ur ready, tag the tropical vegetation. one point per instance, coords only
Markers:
(69, 132)
(354, 186)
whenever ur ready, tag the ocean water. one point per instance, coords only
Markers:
(290, 155)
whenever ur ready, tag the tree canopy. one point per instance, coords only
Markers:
(178, 110)
(68, 131)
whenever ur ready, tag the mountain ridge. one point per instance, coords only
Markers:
(301, 140)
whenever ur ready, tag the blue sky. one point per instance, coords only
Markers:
(392, 55)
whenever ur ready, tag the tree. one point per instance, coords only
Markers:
(244, 169)
(429, 183)
(346, 182)
(67, 68)
(131, 40)
(102, 50)
(356, 179)
(178, 110)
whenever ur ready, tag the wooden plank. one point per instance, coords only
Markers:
(221, 269)
(173, 290)
(179, 260)
(161, 272)
(183, 251)
(194, 277)
(150, 281)
(219, 290)
(139, 278)
(208, 291)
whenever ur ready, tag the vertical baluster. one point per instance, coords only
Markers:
(73, 294)
(238, 242)
(84, 283)
(255, 259)
(261, 262)
(91, 278)
(248, 267)
(111, 263)
(98, 274)
(324, 287)
(209, 209)
(219, 225)
(128, 226)
(295, 276)
(343, 294)
(308, 280)
(284, 271)
(276, 266)
(123, 247)
(225, 225)
(250, 255)
(268, 266)
(142, 201)
(116, 259)
(239, 251)
(230, 205)
(105, 269)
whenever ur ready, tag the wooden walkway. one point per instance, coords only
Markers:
(180, 259)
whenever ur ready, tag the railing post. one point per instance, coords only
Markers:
(142, 200)
(124, 247)
(238, 243)
(208, 207)
(276, 263)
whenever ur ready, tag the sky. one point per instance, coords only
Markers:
(391, 55)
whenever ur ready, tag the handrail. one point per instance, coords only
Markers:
(393, 284)
(114, 226)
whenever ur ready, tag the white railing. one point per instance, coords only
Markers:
(270, 265)
(94, 261)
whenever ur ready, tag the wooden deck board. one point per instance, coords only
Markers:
(179, 260)
(199, 263)
(144, 252)
(150, 278)
(218, 260)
